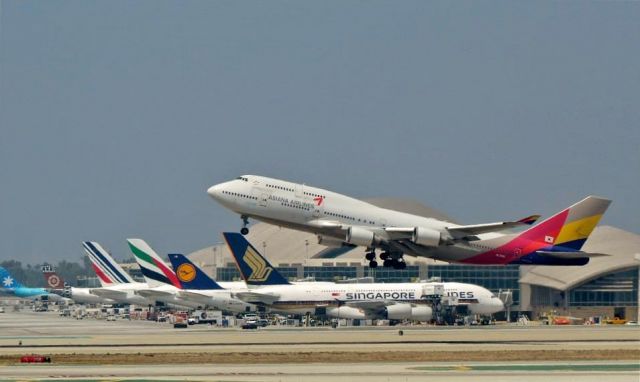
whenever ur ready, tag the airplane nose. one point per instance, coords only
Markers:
(214, 191)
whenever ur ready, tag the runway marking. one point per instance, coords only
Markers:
(534, 367)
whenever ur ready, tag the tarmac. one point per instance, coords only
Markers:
(47, 333)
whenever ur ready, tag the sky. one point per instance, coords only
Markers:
(116, 116)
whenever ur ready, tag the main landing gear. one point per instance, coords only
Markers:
(388, 261)
(245, 222)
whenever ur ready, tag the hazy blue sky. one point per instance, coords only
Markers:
(115, 117)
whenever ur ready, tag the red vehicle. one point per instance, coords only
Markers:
(34, 358)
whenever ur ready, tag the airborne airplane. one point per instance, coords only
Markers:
(396, 301)
(339, 219)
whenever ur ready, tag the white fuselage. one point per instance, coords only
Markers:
(350, 300)
(326, 213)
(124, 293)
(84, 296)
(222, 299)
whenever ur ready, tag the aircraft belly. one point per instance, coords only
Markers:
(449, 253)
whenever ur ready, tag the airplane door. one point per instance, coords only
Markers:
(262, 200)
(298, 190)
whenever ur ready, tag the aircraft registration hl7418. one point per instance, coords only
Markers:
(342, 220)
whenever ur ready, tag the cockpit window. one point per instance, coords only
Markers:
(243, 178)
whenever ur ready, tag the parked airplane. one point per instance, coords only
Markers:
(116, 284)
(338, 220)
(201, 289)
(397, 301)
(78, 295)
(162, 283)
(11, 286)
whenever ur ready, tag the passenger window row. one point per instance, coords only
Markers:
(240, 195)
(280, 187)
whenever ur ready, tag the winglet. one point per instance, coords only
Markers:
(254, 268)
(190, 275)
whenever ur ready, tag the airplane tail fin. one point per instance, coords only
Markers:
(254, 268)
(190, 275)
(155, 271)
(109, 272)
(51, 277)
(7, 281)
(570, 228)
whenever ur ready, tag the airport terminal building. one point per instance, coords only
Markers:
(606, 287)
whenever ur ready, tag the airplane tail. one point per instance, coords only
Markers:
(8, 282)
(51, 277)
(190, 275)
(155, 271)
(570, 228)
(254, 268)
(109, 272)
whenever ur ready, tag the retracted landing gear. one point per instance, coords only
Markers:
(245, 223)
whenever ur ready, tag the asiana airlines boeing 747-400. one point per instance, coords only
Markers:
(342, 220)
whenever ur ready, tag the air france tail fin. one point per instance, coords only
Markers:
(570, 228)
(155, 271)
(109, 272)
(254, 268)
(7, 281)
(190, 275)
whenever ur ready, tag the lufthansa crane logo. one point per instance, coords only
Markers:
(259, 269)
(186, 272)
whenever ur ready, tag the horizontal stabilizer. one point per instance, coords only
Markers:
(570, 255)
(108, 293)
(151, 294)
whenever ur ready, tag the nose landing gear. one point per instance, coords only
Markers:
(245, 222)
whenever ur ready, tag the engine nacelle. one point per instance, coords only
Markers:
(360, 236)
(399, 312)
(426, 236)
(330, 241)
(421, 313)
(345, 312)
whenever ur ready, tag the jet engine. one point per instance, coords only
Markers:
(421, 313)
(360, 236)
(399, 311)
(344, 312)
(426, 236)
(330, 241)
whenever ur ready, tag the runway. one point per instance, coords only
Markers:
(94, 349)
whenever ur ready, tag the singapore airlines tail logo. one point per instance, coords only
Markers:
(259, 269)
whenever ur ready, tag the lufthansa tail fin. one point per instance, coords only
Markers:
(190, 275)
(570, 228)
(109, 272)
(254, 268)
(155, 271)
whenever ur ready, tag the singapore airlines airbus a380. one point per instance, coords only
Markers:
(341, 220)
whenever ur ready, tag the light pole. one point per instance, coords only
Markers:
(637, 257)
(306, 249)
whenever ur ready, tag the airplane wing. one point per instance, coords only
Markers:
(372, 307)
(109, 293)
(154, 294)
(478, 229)
(194, 296)
(256, 297)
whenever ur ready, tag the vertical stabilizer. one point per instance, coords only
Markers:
(254, 268)
(155, 271)
(190, 275)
